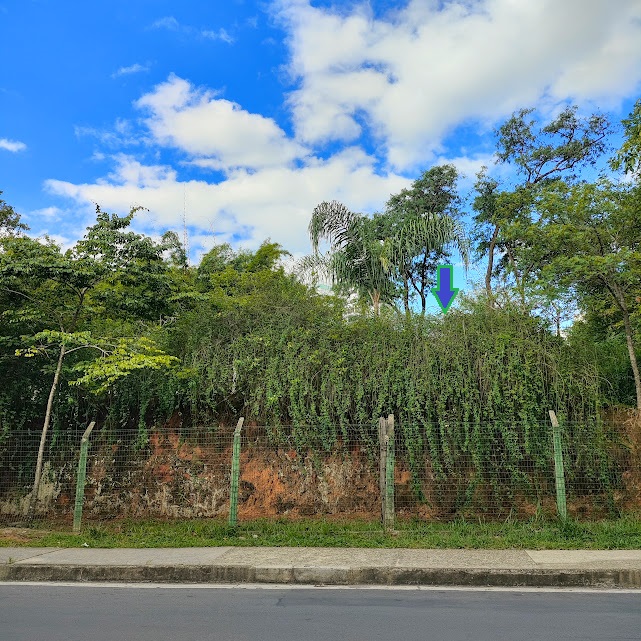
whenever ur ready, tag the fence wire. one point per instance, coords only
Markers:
(489, 471)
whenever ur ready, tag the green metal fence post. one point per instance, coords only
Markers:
(389, 474)
(235, 475)
(559, 474)
(81, 477)
(382, 466)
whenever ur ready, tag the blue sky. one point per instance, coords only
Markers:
(251, 113)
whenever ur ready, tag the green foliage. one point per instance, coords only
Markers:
(422, 228)
(608, 350)
(589, 240)
(89, 308)
(128, 355)
(391, 255)
(355, 260)
(541, 154)
(474, 386)
(139, 335)
(10, 222)
(628, 157)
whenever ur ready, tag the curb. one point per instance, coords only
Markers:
(338, 576)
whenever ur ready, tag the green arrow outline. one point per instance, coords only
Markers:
(453, 289)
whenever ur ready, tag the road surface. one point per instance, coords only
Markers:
(106, 613)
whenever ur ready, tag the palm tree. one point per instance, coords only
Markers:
(424, 226)
(354, 257)
(369, 254)
(418, 244)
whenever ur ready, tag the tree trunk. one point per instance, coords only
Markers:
(43, 436)
(633, 357)
(424, 285)
(376, 301)
(490, 263)
(520, 282)
(406, 293)
(629, 339)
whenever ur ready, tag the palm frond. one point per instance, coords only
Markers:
(314, 268)
(331, 221)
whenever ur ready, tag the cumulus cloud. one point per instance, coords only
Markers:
(273, 202)
(218, 132)
(12, 145)
(411, 76)
(397, 85)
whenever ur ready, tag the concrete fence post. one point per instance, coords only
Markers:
(389, 473)
(559, 473)
(235, 475)
(81, 478)
(382, 465)
(387, 457)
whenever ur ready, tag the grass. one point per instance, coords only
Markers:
(624, 533)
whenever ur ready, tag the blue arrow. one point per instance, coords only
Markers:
(444, 292)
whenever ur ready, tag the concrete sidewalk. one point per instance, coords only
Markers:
(327, 566)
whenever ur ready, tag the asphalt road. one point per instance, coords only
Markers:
(78, 613)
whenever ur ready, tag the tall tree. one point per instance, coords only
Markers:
(394, 254)
(354, 259)
(112, 272)
(592, 237)
(540, 156)
(423, 227)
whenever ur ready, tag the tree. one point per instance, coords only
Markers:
(628, 157)
(355, 255)
(248, 303)
(214, 261)
(422, 227)
(382, 256)
(540, 156)
(115, 274)
(592, 237)
(10, 223)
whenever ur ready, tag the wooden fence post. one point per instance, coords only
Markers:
(235, 475)
(559, 473)
(81, 477)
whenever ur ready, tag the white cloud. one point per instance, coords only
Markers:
(218, 132)
(403, 81)
(168, 22)
(49, 213)
(12, 145)
(221, 34)
(126, 71)
(171, 24)
(412, 76)
(64, 242)
(123, 134)
(273, 202)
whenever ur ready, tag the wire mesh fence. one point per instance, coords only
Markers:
(491, 470)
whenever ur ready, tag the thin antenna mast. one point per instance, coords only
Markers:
(185, 237)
